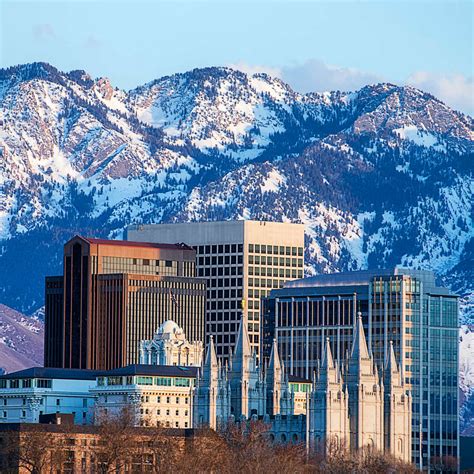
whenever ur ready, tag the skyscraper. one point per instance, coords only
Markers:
(114, 294)
(241, 261)
(400, 307)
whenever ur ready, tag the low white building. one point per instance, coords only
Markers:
(169, 346)
(159, 395)
(29, 393)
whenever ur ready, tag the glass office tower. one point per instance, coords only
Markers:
(399, 305)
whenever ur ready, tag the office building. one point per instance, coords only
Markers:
(401, 308)
(28, 394)
(241, 261)
(114, 294)
(158, 395)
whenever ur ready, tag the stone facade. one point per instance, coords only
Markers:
(351, 407)
(358, 409)
(169, 346)
(242, 389)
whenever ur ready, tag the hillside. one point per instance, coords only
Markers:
(380, 176)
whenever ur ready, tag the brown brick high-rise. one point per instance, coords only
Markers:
(113, 294)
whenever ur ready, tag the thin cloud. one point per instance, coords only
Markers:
(456, 90)
(316, 76)
(256, 69)
(43, 31)
(92, 42)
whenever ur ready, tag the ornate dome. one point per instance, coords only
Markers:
(169, 327)
(169, 331)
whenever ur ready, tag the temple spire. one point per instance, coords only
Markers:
(210, 363)
(242, 358)
(274, 363)
(327, 362)
(391, 372)
(359, 345)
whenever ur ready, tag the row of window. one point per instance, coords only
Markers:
(25, 383)
(275, 249)
(220, 271)
(221, 260)
(146, 380)
(267, 283)
(146, 411)
(147, 398)
(227, 248)
(275, 261)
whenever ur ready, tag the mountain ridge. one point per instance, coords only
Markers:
(381, 176)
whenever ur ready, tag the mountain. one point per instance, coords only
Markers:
(380, 176)
(21, 340)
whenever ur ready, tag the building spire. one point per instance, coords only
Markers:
(391, 372)
(359, 344)
(274, 363)
(210, 364)
(242, 347)
(211, 357)
(327, 362)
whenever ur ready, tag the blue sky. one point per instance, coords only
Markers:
(313, 45)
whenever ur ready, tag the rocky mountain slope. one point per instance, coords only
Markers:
(380, 176)
(21, 340)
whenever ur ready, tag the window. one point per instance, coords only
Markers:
(23, 413)
(158, 399)
(167, 399)
(145, 380)
(58, 401)
(177, 412)
(14, 383)
(177, 400)
(167, 412)
(26, 383)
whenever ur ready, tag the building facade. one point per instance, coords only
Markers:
(158, 395)
(71, 449)
(114, 294)
(28, 394)
(241, 389)
(169, 346)
(399, 306)
(352, 407)
(241, 261)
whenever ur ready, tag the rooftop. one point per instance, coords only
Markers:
(364, 277)
(127, 243)
(52, 373)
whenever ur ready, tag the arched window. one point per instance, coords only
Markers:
(283, 438)
(400, 445)
(370, 445)
(295, 438)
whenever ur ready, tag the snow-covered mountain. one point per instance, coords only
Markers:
(380, 176)
(21, 340)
